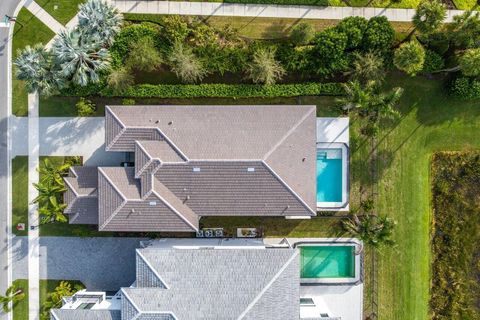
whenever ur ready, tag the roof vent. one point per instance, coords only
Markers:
(196, 169)
(303, 159)
(152, 203)
(170, 123)
(157, 121)
(251, 169)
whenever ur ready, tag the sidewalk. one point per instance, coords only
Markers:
(33, 220)
(264, 11)
(44, 16)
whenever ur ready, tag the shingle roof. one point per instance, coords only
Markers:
(84, 314)
(218, 284)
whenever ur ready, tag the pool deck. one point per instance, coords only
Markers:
(335, 133)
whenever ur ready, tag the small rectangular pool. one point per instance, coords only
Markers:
(331, 261)
(329, 175)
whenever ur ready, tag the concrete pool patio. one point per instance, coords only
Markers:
(334, 134)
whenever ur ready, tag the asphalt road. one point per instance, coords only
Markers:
(7, 7)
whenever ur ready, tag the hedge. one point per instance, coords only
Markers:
(216, 90)
(466, 88)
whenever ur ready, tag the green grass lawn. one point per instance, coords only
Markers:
(62, 10)
(431, 121)
(20, 309)
(466, 4)
(20, 194)
(28, 31)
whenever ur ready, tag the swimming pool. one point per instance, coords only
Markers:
(329, 175)
(327, 261)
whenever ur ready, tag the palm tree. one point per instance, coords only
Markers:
(79, 59)
(367, 66)
(264, 68)
(374, 231)
(53, 212)
(429, 16)
(13, 294)
(51, 174)
(369, 100)
(99, 21)
(464, 31)
(47, 194)
(33, 65)
(409, 57)
(185, 64)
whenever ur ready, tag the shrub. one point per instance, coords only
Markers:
(174, 29)
(329, 52)
(120, 79)
(302, 34)
(186, 66)
(223, 59)
(379, 35)
(433, 61)
(409, 57)
(295, 59)
(85, 107)
(354, 28)
(264, 68)
(429, 15)
(231, 91)
(131, 34)
(469, 62)
(466, 88)
(143, 55)
(128, 102)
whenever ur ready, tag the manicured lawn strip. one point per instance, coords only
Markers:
(28, 31)
(431, 121)
(20, 194)
(455, 236)
(20, 309)
(66, 9)
(261, 28)
(465, 4)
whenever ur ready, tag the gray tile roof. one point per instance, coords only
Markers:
(84, 314)
(81, 195)
(205, 160)
(216, 284)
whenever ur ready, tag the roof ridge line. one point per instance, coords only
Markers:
(173, 145)
(289, 132)
(124, 294)
(152, 269)
(288, 187)
(124, 128)
(121, 196)
(269, 284)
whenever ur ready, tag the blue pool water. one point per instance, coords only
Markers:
(329, 175)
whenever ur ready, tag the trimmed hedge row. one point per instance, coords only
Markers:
(216, 90)
(466, 88)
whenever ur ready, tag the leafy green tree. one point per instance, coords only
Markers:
(429, 16)
(99, 21)
(185, 64)
(302, 34)
(53, 212)
(379, 35)
(34, 66)
(469, 62)
(354, 28)
(13, 294)
(464, 31)
(374, 231)
(328, 55)
(47, 194)
(79, 59)
(143, 55)
(367, 66)
(370, 101)
(85, 107)
(120, 79)
(410, 57)
(51, 174)
(264, 68)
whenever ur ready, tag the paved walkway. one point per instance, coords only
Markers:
(33, 219)
(67, 137)
(44, 16)
(100, 263)
(265, 11)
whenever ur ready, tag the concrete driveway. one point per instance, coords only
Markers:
(62, 136)
(100, 263)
